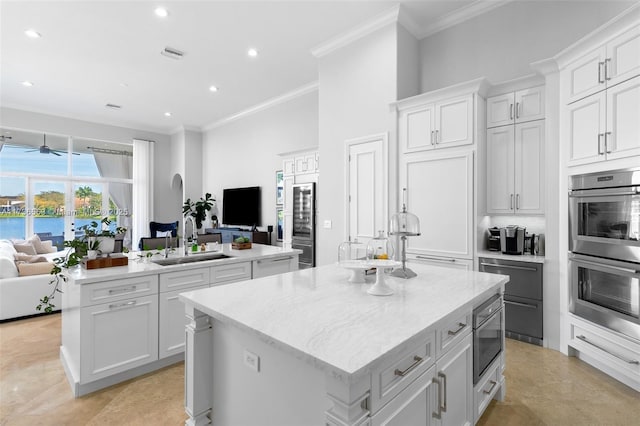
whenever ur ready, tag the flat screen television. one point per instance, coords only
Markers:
(241, 206)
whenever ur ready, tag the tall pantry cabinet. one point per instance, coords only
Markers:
(438, 135)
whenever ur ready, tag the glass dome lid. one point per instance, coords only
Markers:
(404, 223)
(380, 248)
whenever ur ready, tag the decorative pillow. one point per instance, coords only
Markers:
(163, 234)
(26, 248)
(37, 243)
(47, 247)
(21, 257)
(39, 268)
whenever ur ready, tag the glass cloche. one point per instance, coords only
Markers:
(380, 248)
(350, 250)
(404, 223)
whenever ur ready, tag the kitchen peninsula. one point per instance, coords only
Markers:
(309, 348)
(125, 321)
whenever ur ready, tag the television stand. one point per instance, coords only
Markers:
(230, 233)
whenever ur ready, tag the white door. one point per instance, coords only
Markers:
(623, 53)
(529, 167)
(500, 110)
(366, 187)
(454, 122)
(587, 119)
(455, 370)
(529, 104)
(500, 170)
(416, 128)
(623, 119)
(585, 76)
(440, 192)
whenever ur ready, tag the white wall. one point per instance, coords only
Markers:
(245, 151)
(501, 44)
(357, 83)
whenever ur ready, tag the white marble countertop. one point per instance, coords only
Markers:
(518, 257)
(138, 266)
(317, 316)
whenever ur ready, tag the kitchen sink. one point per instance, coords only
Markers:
(190, 259)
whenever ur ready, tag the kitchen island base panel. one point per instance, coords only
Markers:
(79, 389)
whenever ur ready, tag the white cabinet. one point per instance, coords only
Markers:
(274, 266)
(454, 263)
(606, 125)
(440, 192)
(516, 107)
(288, 167)
(515, 169)
(604, 66)
(117, 336)
(440, 124)
(306, 163)
(230, 273)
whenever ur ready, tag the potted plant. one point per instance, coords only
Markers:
(198, 209)
(93, 240)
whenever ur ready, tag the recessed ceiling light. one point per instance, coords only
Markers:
(161, 12)
(252, 52)
(113, 106)
(27, 83)
(213, 89)
(32, 34)
(167, 114)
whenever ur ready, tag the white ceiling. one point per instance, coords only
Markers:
(96, 52)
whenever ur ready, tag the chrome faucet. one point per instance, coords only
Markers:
(193, 233)
(167, 242)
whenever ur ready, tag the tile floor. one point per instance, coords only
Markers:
(543, 388)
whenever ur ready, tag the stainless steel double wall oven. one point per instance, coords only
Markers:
(604, 245)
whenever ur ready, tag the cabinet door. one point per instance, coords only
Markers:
(529, 104)
(529, 168)
(118, 336)
(500, 110)
(288, 194)
(413, 406)
(454, 122)
(288, 167)
(623, 57)
(416, 128)
(455, 372)
(500, 170)
(172, 322)
(587, 119)
(440, 193)
(623, 120)
(585, 76)
(229, 273)
(274, 266)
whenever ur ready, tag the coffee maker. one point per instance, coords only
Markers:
(512, 239)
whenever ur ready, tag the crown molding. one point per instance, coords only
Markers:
(296, 93)
(460, 15)
(344, 39)
(408, 23)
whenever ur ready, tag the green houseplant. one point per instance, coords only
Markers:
(94, 235)
(198, 209)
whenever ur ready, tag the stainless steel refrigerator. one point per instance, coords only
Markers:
(304, 223)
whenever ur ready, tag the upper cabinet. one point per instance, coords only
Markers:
(604, 66)
(515, 107)
(436, 123)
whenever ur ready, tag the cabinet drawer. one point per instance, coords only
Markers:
(184, 279)
(523, 316)
(486, 388)
(525, 278)
(452, 331)
(230, 273)
(396, 374)
(273, 266)
(109, 291)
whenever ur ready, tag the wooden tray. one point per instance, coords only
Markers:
(105, 262)
(240, 246)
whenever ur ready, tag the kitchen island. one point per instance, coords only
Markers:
(125, 321)
(309, 348)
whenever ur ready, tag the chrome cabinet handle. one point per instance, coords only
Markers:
(606, 142)
(122, 290)
(122, 305)
(600, 150)
(523, 268)
(416, 360)
(432, 139)
(493, 385)
(517, 109)
(437, 137)
(435, 258)
(606, 69)
(461, 327)
(524, 305)
(600, 65)
(627, 360)
(510, 111)
(517, 201)
(275, 260)
(438, 414)
(444, 390)
(511, 203)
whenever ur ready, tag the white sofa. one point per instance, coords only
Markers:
(19, 295)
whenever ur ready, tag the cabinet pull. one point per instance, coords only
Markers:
(606, 142)
(606, 69)
(524, 305)
(122, 305)
(122, 290)
(517, 109)
(435, 258)
(493, 385)
(511, 203)
(444, 390)
(416, 360)
(510, 111)
(600, 150)
(437, 137)
(627, 360)
(517, 201)
(438, 414)
(522, 268)
(600, 65)
(461, 327)
(276, 260)
(432, 141)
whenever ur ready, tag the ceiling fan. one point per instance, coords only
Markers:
(45, 149)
